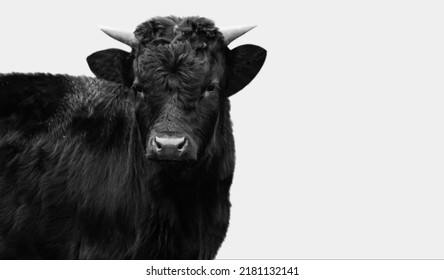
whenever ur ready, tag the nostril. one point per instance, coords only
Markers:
(157, 143)
(182, 144)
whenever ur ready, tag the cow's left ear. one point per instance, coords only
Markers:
(113, 65)
(244, 62)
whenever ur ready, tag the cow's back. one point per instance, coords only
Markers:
(35, 103)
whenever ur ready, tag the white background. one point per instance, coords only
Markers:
(340, 142)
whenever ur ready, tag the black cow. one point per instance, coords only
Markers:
(134, 165)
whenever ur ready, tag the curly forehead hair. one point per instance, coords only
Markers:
(173, 28)
(172, 66)
(176, 52)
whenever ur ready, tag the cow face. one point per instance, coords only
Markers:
(183, 73)
(180, 86)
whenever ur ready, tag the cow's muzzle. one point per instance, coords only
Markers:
(171, 148)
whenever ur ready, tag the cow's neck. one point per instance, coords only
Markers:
(184, 212)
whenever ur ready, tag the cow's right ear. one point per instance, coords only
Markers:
(113, 65)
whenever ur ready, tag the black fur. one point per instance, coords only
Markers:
(75, 181)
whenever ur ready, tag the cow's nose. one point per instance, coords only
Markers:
(169, 144)
(170, 148)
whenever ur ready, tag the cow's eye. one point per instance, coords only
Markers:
(137, 87)
(211, 88)
(142, 90)
(138, 90)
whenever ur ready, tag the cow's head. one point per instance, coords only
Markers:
(183, 72)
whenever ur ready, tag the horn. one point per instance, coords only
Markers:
(231, 34)
(121, 36)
